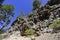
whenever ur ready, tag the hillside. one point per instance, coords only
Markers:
(42, 23)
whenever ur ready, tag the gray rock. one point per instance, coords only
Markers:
(39, 18)
(47, 30)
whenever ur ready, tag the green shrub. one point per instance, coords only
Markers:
(1, 37)
(29, 32)
(55, 24)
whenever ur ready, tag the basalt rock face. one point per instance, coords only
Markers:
(53, 2)
(39, 19)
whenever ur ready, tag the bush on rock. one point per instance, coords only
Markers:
(55, 24)
(29, 32)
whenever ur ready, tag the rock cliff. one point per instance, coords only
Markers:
(39, 20)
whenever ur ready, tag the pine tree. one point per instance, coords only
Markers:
(36, 4)
(1, 1)
(6, 11)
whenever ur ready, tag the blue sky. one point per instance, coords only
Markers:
(21, 5)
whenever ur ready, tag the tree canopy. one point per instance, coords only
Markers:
(6, 11)
(1, 1)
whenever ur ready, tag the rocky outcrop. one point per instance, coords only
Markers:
(39, 19)
(53, 2)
